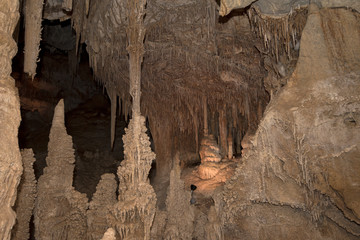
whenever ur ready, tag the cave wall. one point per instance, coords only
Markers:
(10, 158)
(300, 178)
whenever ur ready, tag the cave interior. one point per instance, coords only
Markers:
(182, 119)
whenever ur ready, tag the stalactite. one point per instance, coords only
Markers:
(26, 197)
(230, 144)
(194, 120)
(33, 18)
(223, 131)
(113, 100)
(10, 158)
(206, 128)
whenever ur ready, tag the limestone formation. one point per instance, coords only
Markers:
(10, 158)
(60, 211)
(308, 135)
(134, 212)
(99, 208)
(109, 234)
(180, 214)
(33, 18)
(25, 201)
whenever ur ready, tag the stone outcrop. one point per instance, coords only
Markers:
(300, 179)
(25, 201)
(99, 208)
(60, 211)
(10, 158)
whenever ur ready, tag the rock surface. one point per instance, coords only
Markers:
(301, 178)
(25, 201)
(10, 158)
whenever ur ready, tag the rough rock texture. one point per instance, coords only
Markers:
(300, 180)
(57, 9)
(60, 211)
(180, 214)
(109, 234)
(277, 8)
(189, 53)
(103, 200)
(33, 17)
(25, 201)
(10, 158)
(133, 214)
(210, 157)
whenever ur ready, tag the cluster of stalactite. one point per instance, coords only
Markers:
(177, 71)
(281, 35)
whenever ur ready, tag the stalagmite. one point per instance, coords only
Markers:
(33, 18)
(180, 213)
(60, 211)
(10, 158)
(25, 201)
(134, 213)
(99, 208)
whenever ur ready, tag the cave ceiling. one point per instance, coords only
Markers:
(192, 51)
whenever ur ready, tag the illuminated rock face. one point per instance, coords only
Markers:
(209, 150)
(210, 157)
(60, 211)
